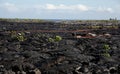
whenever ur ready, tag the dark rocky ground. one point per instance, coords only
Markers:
(37, 55)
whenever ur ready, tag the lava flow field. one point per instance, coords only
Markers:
(59, 48)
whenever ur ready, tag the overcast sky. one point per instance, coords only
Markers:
(60, 9)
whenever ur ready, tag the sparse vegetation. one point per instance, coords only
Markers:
(55, 39)
(106, 52)
(18, 36)
(50, 39)
(58, 38)
(21, 37)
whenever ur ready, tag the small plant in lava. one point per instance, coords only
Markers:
(106, 52)
(18, 36)
(51, 40)
(58, 38)
(21, 37)
(55, 39)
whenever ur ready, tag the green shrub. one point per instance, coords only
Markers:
(58, 38)
(18, 36)
(106, 48)
(55, 39)
(50, 39)
(21, 37)
(106, 54)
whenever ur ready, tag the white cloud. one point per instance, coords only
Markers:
(109, 9)
(10, 7)
(101, 9)
(79, 7)
(83, 7)
(51, 6)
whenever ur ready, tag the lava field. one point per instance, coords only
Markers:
(62, 52)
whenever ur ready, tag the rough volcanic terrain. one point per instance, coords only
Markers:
(35, 54)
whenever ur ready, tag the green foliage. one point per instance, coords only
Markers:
(106, 54)
(21, 37)
(55, 39)
(58, 38)
(18, 36)
(50, 39)
(106, 48)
